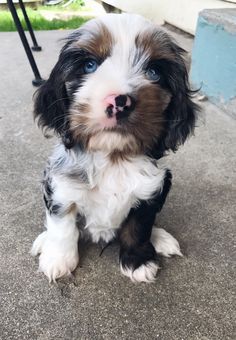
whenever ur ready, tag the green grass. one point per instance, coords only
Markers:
(38, 21)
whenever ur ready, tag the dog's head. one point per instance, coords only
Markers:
(120, 85)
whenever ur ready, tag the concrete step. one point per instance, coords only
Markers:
(214, 57)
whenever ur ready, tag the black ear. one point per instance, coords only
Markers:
(181, 117)
(52, 103)
(181, 112)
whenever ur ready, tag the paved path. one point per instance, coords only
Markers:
(193, 298)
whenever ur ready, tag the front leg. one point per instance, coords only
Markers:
(138, 257)
(58, 245)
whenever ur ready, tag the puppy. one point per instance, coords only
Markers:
(119, 99)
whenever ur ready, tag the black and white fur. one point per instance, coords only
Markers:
(103, 180)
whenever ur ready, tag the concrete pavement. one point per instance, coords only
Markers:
(193, 298)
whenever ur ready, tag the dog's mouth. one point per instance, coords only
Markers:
(107, 123)
(114, 122)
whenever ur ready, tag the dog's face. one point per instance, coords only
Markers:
(120, 85)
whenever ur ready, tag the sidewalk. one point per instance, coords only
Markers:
(192, 299)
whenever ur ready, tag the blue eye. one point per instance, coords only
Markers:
(153, 74)
(90, 66)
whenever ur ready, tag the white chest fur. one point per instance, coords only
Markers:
(110, 189)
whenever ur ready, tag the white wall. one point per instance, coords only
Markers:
(180, 13)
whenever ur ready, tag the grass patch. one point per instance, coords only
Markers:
(38, 21)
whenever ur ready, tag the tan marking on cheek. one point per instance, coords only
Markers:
(78, 117)
(147, 122)
(153, 100)
(79, 122)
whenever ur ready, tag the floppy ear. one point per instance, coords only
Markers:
(52, 103)
(181, 116)
(181, 111)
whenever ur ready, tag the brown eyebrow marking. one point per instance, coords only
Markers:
(156, 44)
(97, 41)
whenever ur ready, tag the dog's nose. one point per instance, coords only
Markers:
(119, 105)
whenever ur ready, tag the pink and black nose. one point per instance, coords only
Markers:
(119, 106)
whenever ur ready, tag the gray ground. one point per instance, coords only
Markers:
(193, 298)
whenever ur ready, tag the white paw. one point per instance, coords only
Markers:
(144, 273)
(164, 243)
(38, 244)
(56, 259)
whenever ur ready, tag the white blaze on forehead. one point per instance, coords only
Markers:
(125, 28)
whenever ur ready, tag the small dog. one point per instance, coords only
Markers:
(119, 99)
